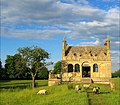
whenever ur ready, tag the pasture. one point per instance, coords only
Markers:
(18, 92)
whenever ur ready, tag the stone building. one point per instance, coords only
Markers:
(86, 63)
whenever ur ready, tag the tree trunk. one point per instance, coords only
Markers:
(33, 81)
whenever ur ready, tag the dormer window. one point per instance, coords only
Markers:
(75, 54)
(105, 53)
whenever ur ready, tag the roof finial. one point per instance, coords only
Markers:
(64, 38)
(108, 37)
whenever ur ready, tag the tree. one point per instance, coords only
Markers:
(15, 66)
(116, 73)
(35, 59)
(9, 66)
(3, 74)
(43, 73)
(0, 64)
(57, 67)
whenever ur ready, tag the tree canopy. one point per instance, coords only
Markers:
(57, 67)
(116, 73)
(35, 59)
(43, 73)
(15, 66)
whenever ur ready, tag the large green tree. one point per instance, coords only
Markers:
(35, 59)
(57, 67)
(15, 66)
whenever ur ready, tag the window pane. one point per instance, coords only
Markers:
(70, 68)
(77, 68)
(95, 68)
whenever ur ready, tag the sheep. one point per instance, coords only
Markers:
(77, 88)
(42, 92)
(86, 86)
(96, 90)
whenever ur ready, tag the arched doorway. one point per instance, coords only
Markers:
(85, 70)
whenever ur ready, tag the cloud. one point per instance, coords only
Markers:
(117, 42)
(79, 19)
(82, 2)
(95, 43)
(44, 19)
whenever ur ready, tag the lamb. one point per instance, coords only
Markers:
(86, 86)
(42, 92)
(77, 88)
(96, 90)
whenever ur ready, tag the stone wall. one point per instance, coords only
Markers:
(52, 82)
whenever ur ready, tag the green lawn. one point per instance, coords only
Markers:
(57, 95)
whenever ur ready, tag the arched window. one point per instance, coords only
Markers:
(95, 68)
(77, 68)
(70, 68)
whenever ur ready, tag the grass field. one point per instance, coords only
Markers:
(17, 92)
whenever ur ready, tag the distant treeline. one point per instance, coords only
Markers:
(116, 74)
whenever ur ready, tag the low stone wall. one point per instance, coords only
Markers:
(101, 80)
(52, 82)
(71, 79)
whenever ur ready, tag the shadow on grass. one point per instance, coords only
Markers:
(5, 80)
(20, 85)
(90, 94)
(15, 86)
(99, 93)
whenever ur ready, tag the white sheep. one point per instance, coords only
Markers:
(77, 88)
(86, 86)
(42, 92)
(96, 90)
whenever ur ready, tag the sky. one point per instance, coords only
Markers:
(44, 23)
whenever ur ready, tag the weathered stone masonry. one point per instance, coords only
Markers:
(91, 62)
(84, 64)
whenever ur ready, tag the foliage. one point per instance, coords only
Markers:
(15, 67)
(43, 73)
(0, 64)
(3, 74)
(57, 67)
(116, 73)
(35, 59)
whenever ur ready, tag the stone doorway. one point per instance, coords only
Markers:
(85, 70)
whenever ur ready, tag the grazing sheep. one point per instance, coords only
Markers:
(86, 86)
(96, 90)
(77, 88)
(42, 92)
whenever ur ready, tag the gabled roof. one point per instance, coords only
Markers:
(92, 50)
